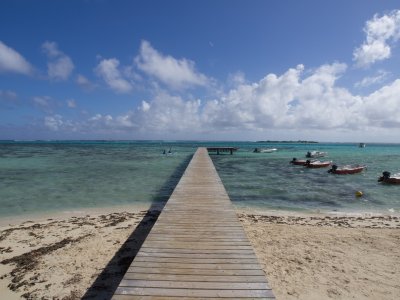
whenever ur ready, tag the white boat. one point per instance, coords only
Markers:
(361, 145)
(264, 150)
(316, 154)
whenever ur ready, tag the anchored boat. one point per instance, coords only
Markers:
(317, 164)
(298, 162)
(264, 150)
(310, 154)
(347, 169)
(386, 178)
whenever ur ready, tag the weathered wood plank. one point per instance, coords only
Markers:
(143, 291)
(192, 238)
(193, 260)
(172, 284)
(133, 297)
(194, 224)
(195, 278)
(197, 251)
(225, 222)
(207, 248)
(198, 245)
(203, 230)
(206, 272)
(202, 234)
(240, 266)
(199, 255)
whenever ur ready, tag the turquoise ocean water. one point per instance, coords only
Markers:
(37, 177)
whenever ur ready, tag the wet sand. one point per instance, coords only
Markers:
(304, 257)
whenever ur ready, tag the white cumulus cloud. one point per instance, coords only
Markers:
(175, 73)
(12, 61)
(169, 113)
(108, 70)
(381, 32)
(145, 106)
(59, 66)
(287, 101)
(164, 113)
(382, 108)
(54, 123)
(107, 123)
(380, 77)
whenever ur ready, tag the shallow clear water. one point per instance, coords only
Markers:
(267, 180)
(56, 176)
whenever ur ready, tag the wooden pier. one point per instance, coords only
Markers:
(197, 249)
(222, 149)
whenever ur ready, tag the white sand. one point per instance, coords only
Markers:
(62, 258)
(328, 257)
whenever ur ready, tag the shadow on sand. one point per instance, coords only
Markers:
(107, 281)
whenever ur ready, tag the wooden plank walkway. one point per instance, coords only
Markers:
(197, 249)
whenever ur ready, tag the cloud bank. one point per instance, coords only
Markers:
(299, 100)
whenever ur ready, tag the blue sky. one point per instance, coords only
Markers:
(210, 70)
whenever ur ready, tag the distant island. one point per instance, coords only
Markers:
(289, 142)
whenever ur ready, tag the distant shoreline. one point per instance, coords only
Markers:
(289, 142)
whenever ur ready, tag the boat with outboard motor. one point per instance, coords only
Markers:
(346, 169)
(167, 153)
(387, 178)
(317, 164)
(298, 162)
(313, 154)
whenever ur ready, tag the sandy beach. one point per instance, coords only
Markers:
(328, 257)
(304, 257)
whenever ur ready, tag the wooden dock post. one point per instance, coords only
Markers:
(197, 249)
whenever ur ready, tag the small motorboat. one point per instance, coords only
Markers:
(386, 178)
(167, 153)
(361, 145)
(347, 169)
(317, 164)
(264, 150)
(298, 162)
(314, 154)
